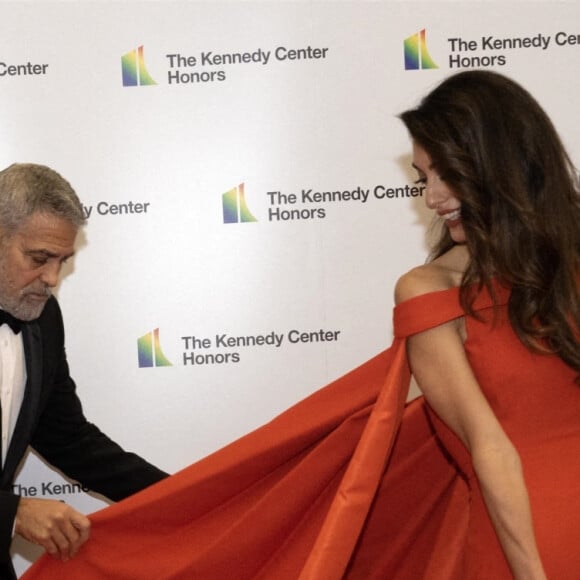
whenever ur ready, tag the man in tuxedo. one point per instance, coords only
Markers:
(40, 216)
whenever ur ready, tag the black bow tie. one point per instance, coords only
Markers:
(13, 323)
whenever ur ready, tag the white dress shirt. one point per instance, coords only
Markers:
(12, 382)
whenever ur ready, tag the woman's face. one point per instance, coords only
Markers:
(438, 195)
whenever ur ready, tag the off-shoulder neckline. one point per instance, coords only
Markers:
(433, 308)
(501, 294)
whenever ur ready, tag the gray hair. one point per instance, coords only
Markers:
(28, 188)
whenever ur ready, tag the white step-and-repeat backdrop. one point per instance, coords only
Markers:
(248, 191)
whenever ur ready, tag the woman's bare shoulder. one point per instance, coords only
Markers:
(441, 274)
(420, 280)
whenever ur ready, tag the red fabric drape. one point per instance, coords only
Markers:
(305, 496)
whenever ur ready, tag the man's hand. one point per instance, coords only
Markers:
(55, 526)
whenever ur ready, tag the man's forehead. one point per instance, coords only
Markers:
(47, 232)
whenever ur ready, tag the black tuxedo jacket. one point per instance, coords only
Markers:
(52, 422)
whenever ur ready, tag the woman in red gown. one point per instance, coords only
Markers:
(478, 479)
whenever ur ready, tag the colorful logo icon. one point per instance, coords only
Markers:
(149, 351)
(235, 208)
(417, 56)
(134, 70)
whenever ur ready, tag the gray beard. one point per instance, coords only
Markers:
(22, 309)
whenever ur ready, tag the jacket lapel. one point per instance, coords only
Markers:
(25, 424)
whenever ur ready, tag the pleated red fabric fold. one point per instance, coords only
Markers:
(349, 483)
(336, 540)
(254, 508)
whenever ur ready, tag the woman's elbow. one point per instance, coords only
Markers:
(490, 457)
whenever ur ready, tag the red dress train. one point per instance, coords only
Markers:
(354, 483)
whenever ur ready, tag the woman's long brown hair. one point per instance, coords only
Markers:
(520, 202)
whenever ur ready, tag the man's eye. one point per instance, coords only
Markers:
(39, 261)
(421, 180)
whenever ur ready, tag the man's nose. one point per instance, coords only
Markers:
(50, 274)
